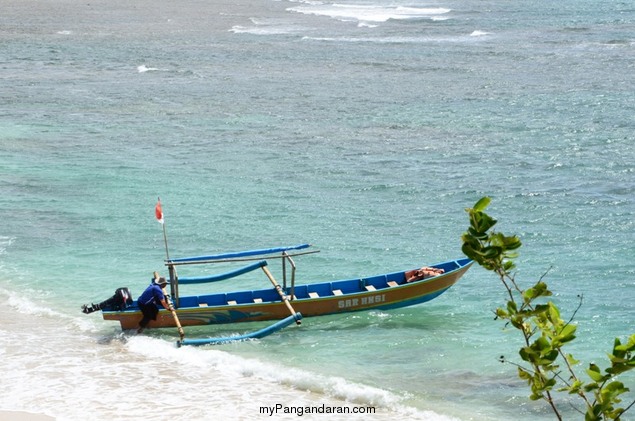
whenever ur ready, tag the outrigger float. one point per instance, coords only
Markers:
(286, 303)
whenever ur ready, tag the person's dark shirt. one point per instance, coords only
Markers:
(152, 294)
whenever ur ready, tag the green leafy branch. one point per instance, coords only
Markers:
(547, 368)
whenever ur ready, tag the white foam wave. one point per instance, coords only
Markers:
(143, 68)
(265, 27)
(255, 30)
(479, 33)
(233, 366)
(27, 306)
(241, 369)
(392, 39)
(370, 13)
(367, 25)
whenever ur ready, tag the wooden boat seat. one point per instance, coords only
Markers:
(232, 302)
(337, 292)
(257, 300)
(370, 288)
(202, 304)
(392, 284)
(314, 295)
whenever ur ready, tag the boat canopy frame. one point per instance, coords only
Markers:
(286, 255)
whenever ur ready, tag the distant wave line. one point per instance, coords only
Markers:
(370, 13)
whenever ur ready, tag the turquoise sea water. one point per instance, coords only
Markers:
(362, 127)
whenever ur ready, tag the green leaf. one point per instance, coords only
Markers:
(613, 390)
(541, 344)
(567, 334)
(594, 372)
(479, 235)
(571, 360)
(591, 414)
(512, 243)
(529, 294)
(549, 357)
(491, 252)
(619, 368)
(535, 396)
(482, 222)
(541, 310)
(554, 314)
(482, 204)
(542, 290)
(502, 313)
(575, 387)
(508, 266)
(470, 252)
(524, 374)
(591, 386)
(568, 330)
(512, 308)
(526, 353)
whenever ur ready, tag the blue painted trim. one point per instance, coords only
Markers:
(231, 255)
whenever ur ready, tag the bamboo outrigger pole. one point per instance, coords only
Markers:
(176, 319)
(284, 297)
(172, 310)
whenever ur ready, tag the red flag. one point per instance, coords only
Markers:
(158, 212)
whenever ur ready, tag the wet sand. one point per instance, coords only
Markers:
(23, 416)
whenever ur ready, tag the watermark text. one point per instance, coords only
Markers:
(315, 409)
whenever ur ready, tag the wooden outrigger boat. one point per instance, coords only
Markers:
(285, 303)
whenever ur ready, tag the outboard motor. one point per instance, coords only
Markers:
(120, 301)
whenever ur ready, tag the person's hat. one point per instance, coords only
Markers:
(161, 281)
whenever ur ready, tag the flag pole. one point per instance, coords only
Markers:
(158, 211)
(165, 240)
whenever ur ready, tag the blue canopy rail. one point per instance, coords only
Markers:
(222, 276)
(234, 256)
